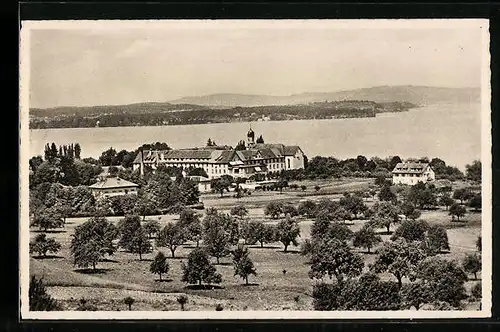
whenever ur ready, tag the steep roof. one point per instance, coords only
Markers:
(291, 150)
(188, 154)
(113, 182)
(410, 168)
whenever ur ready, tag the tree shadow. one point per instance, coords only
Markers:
(176, 257)
(108, 260)
(49, 231)
(203, 287)
(384, 232)
(92, 271)
(164, 280)
(47, 257)
(224, 264)
(292, 252)
(250, 284)
(190, 246)
(264, 247)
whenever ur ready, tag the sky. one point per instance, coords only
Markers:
(82, 65)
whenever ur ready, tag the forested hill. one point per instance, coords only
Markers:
(203, 115)
(419, 95)
(138, 108)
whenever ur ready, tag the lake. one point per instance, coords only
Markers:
(450, 132)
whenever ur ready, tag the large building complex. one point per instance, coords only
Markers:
(256, 158)
(412, 173)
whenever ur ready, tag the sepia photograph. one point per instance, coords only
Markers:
(255, 169)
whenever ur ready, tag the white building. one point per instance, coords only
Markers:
(113, 186)
(411, 173)
(257, 158)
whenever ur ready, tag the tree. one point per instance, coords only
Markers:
(217, 234)
(260, 140)
(446, 200)
(41, 245)
(411, 230)
(289, 210)
(47, 218)
(39, 300)
(415, 294)
(437, 238)
(446, 278)
(307, 208)
(287, 232)
(317, 188)
(257, 231)
(334, 258)
(394, 161)
(303, 187)
(463, 194)
(171, 236)
(457, 210)
(399, 258)
(239, 211)
(472, 264)
(366, 238)
(478, 243)
(92, 240)
(182, 300)
(320, 226)
(129, 301)
(274, 209)
(386, 194)
(78, 150)
(152, 227)
(476, 293)
(384, 214)
(144, 206)
(159, 265)
(243, 265)
(107, 158)
(473, 171)
(475, 202)
(240, 146)
(353, 204)
(221, 184)
(422, 196)
(133, 237)
(199, 269)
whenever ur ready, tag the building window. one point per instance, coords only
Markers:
(288, 163)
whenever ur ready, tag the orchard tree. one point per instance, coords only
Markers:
(239, 211)
(221, 184)
(47, 218)
(416, 294)
(129, 301)
(39, 299)
(41, 245)
(421, 195)
(409, 210)
(437, 239)
(399, 258)
(476, 202)
(191, 223)
(287, 232)
(476, 293)
(386, 194)
(133, 237)
(307, 208)
(411, 230)
(446, 200)
(463, 194)
(334, 258)
(159, 265)
(384, 214)
(472, 264)
(446, 277)
(199, 269)
(366, 238)
(257, 231)
(289, 210)
(144, 206)
(243, 265)
(320, 226)
(457, 210)
(93, 240)
(473, 171)
(217, 234)
(353, 204)
(182, 300)
(152, 228)
(171, 236)
(274, 209)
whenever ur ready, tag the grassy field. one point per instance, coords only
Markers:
(125, 275)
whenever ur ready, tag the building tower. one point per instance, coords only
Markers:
(250, 137)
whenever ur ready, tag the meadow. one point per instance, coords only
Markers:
(282, 281)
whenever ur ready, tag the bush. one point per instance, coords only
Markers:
(219, 307)
(182, 300)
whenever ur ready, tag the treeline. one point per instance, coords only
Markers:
(326, 110)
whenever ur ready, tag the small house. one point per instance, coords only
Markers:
(113, 186)
(411, 173)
